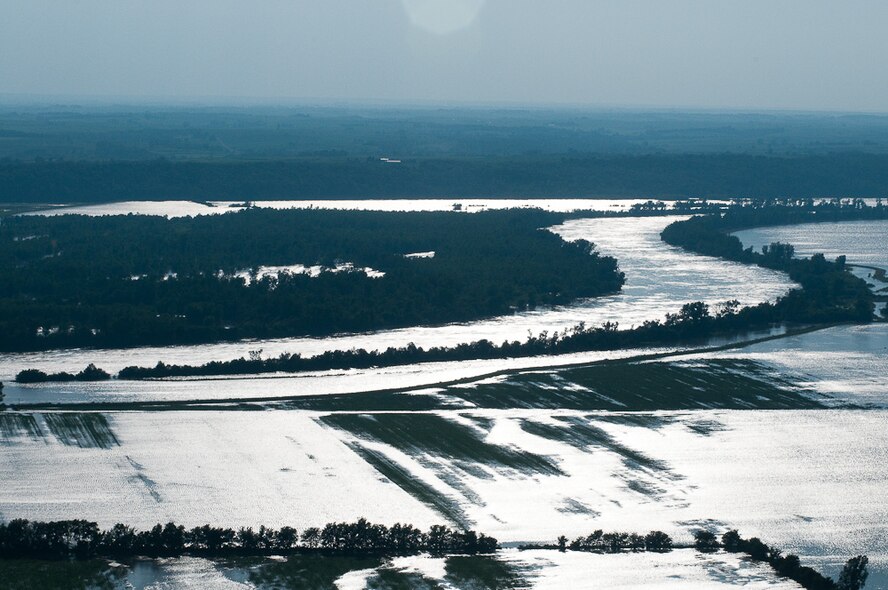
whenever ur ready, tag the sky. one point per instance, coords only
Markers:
(718, 54)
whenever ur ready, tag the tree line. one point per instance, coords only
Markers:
(618, 542)
(693, 322)
(852, 577)
(81, 539)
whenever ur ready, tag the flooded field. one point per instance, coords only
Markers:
(532, 569)
(812, 485)
(845, 362)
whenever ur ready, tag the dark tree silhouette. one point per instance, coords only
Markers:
(705, 541)
(854, 574)
(658, 541)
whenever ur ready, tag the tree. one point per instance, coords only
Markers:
(562, 543)
(694, 312)
(311, 537)
(705, 541)
(756, 549)
(731, 541)
(173, 538)
(727, 308)
(854, 574)
(635, 542)
(286, 538)
(658, 541)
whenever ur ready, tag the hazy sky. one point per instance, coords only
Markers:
(787, 54)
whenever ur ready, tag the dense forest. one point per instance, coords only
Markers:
(250, 133)
(69, 153)
(540, 176)
(81, 539)
(134, 280)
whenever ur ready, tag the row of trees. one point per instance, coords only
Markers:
(82, 539)
(90, 373)
(617, 542)
(852, 577)
(694, 321)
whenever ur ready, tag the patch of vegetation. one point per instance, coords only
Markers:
(580, 433)
(146, 280)
(310, 572)
(431, 434)
(647, 386)
(830, 292)
(705, 427)
(407, 481)
(378, 401)
(15, 425)
(29, 574)
(484, 573)
(84, 430)
(90, 373)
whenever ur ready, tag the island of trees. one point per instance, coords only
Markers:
(77, 281)
(81, 539)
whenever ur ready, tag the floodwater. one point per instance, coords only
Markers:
(683, 569)
(659, 280)
(863, 242)
(811, 482)
(847, 363)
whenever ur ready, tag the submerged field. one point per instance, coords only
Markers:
(508, 570)
(739, 440)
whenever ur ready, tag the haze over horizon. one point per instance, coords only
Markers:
(756, 55)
